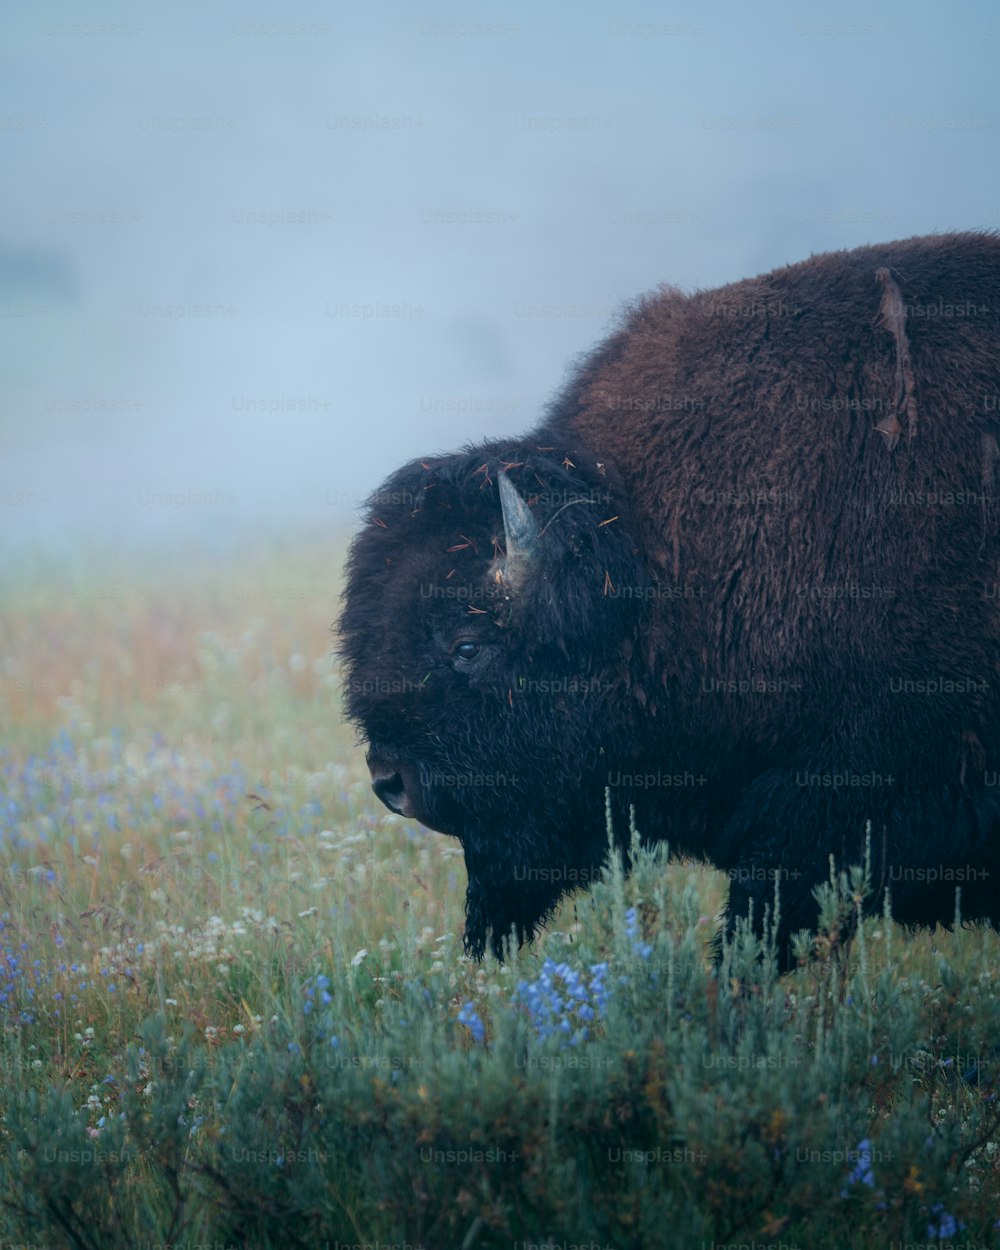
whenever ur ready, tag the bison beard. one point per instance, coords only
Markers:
(741, 579)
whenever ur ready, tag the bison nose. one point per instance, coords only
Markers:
(391, 789)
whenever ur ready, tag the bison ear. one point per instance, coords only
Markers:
(520, 530)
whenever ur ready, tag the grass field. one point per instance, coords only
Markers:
(180, 794)
(235, 1008)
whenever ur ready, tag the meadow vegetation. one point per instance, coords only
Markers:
(234, 1007)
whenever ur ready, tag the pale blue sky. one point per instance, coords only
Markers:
(610, 147)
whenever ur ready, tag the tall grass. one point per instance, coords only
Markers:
(235, 1009)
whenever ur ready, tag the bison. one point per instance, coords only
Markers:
(742, 578)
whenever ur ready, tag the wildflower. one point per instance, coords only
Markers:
(560, 999)
(359, 958)
(945, 1224)
(862, 1172)
(468, 1016)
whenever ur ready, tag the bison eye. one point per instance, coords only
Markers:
(467, 650)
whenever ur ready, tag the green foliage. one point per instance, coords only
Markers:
(114, 1183)
(726, 1107)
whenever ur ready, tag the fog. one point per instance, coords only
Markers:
(252, 258)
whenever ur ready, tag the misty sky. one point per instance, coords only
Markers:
(253, 258)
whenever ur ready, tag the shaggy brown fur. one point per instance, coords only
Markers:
(780, 599)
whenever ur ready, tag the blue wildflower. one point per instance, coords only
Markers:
(468, 1016)
(862, 1172)
(945, 1224)
(563, 1001)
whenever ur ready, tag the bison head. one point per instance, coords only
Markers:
(493, 609)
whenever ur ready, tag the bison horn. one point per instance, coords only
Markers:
(520, 530)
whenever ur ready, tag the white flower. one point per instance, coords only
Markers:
(359, 957)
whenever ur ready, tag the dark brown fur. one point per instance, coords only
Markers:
(791, 561)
